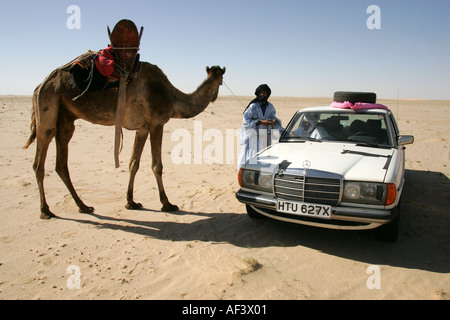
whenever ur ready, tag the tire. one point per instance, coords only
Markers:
(389, 232)
(353, 97)
(252, 213)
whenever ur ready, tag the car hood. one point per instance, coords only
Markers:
(348, 160)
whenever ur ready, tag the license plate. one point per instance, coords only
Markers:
(304, 209)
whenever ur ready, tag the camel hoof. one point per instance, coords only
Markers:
(169, 208)
(86, 210)
(133, 206)
(47, 215)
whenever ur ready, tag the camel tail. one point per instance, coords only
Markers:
(36, 96)
(33, 131)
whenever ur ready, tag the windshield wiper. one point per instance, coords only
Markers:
(293, 139)
(365, 154)
(372, 145)
(300, 139)
(311, 139)
(367, 144)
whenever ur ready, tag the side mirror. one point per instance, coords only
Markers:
(404, 140)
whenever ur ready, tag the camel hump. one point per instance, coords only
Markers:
(125, 35)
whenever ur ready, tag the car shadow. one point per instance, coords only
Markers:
(423, 242)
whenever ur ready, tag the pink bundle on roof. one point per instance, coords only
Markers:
(357, 105)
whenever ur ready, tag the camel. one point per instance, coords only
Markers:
(151, 102)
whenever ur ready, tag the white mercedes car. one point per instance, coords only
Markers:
(339, 167)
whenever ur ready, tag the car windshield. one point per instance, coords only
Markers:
(361, 128)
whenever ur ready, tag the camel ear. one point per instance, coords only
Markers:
(208, 69)
(224, 69)
(140, 33)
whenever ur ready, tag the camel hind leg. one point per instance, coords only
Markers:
(44, 133)
(64, 133)
(39, 170)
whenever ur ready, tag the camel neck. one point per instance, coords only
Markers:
(188, 106)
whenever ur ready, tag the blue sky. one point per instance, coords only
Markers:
(301, 48)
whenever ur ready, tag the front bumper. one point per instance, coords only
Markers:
(345, 218)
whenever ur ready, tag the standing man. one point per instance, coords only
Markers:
(259, 126)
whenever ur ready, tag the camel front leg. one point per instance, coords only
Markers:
(156, 134)
(139, 143)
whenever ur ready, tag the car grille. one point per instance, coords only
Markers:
(307, 189)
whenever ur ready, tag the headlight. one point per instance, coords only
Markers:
(256, 180)
(249, 177)
(369, 193)
(265, 181)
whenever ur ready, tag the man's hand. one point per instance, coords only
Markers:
(267, 122)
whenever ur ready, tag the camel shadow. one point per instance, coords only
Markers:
(423, 243)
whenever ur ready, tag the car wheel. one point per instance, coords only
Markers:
(389, 232)
(252, 213)
(353, 97)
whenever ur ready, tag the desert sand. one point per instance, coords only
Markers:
(210, 249)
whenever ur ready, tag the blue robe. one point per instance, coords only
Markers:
(254, 136)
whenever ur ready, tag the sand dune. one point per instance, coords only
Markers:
(210, 249)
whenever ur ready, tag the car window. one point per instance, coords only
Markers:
(370, 128)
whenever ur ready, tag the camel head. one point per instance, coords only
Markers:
(216, 73)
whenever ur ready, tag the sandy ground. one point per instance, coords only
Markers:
(210, 249)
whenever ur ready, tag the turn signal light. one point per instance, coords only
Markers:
(239, 177)
(391, 194)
